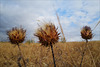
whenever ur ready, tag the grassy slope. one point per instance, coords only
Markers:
(66, 54)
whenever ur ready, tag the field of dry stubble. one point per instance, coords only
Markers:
(66, 54)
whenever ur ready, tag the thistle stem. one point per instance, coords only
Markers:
(53, 54)
(21, 55)
(91, 56)
(83, 53)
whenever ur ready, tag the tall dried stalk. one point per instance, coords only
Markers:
(91, 56)
(83, 53)
(88, 47)
(96, 25)
(21, 56)
(53, 54)
(64, 40)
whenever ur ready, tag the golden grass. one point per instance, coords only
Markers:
(66, 54)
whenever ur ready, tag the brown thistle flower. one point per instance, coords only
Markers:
(86, 32)
(16, 35)
(47, 34)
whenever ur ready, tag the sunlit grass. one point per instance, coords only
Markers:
(37, 56)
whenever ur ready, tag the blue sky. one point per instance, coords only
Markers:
(73, 14)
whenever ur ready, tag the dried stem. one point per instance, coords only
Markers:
(83, 53)
(41, 52)
(96, 25)
(53, 54)
(61, 27)
(91, 56)
(71, 56)
(21, 55)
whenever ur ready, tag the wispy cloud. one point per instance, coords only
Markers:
(73, 15)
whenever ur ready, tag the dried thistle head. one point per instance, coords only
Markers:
(47, 34)
(16, 35)
(86, 32)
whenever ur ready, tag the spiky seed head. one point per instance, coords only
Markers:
(47, 34)
(16, 35)
(86, 32)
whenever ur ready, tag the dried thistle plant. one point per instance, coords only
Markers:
(48, 35)
(16, 36)
(86, 33)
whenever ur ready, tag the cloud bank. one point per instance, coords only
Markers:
(73, 14)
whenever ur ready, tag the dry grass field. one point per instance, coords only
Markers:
(66, 54)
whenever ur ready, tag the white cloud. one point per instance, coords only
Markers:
(26, 13)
